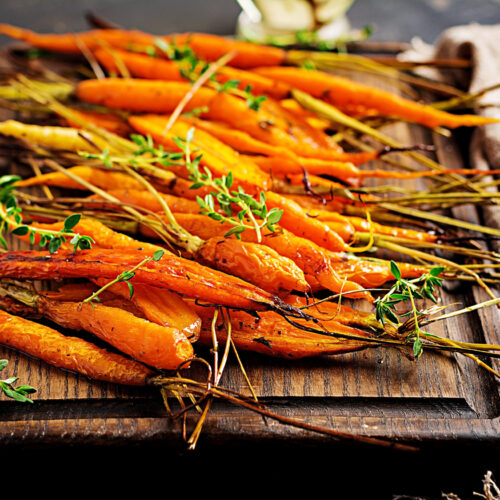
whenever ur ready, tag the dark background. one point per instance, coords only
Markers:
(393, 19)
(335, 472)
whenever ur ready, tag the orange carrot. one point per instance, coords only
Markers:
(273, 336)
(341, 91)
(70, 353)
(155, 96)
(155, 345)
(72, 42)
(174, 273)
(312, 259)
(217, 156)
(101, 178)
(254, 263)
(160, 306)
(107, 121)
(208, 47)
(103, 236)
(212, 47)
(153, 68)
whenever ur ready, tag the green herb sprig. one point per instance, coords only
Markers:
(11, 217)
(405, 290)
(124, 277)
(17, 393)
(250, 209)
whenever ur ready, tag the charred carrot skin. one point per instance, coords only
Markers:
(341, 91)
(273, 336)
(174, 273)
(149, 343)
(69, 353)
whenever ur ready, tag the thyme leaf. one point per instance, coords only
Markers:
(11, 218)
(17, 393)
(124, 277)
(405, 290)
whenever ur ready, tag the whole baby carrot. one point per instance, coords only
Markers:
(70, 353)
(341, 91)
(158, 346)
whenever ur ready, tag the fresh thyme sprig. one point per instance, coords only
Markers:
(124, 277)
(17, 393)
(405, 290)
(250, 209)
(11, 218)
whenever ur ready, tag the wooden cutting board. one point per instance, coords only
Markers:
(376, 392)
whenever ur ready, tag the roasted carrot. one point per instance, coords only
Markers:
(153, 68)
(217, 156)
(254, 263)
(154, 96)
(144, 199)
(312, 259)
(107, 121)
(104, 179)
(103, 236)
(70, 353)
(212, 47)
(174, 273)
(161, 307)
(208, 47)
(273, 336)
(152, 344)
(72, 42)
(341, 91)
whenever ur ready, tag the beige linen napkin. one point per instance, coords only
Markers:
(481, 45)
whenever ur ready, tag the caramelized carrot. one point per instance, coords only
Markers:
(101, 178)
(274, 336)
(372, 274)
(144, 199)
(161, 307)
(107, 121)
(312, 259)
(217, 156)
(254, 263)
(154, 96)
(103, 236)
(152, 344)
(71, 42)
(212, 47)
(174, 273)
(70, 353)
(153, 68)
(208, 47)
(296, 221)
(341, 91)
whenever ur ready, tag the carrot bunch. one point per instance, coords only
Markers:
(223, 169)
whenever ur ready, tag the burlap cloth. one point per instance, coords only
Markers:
(481, 45)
